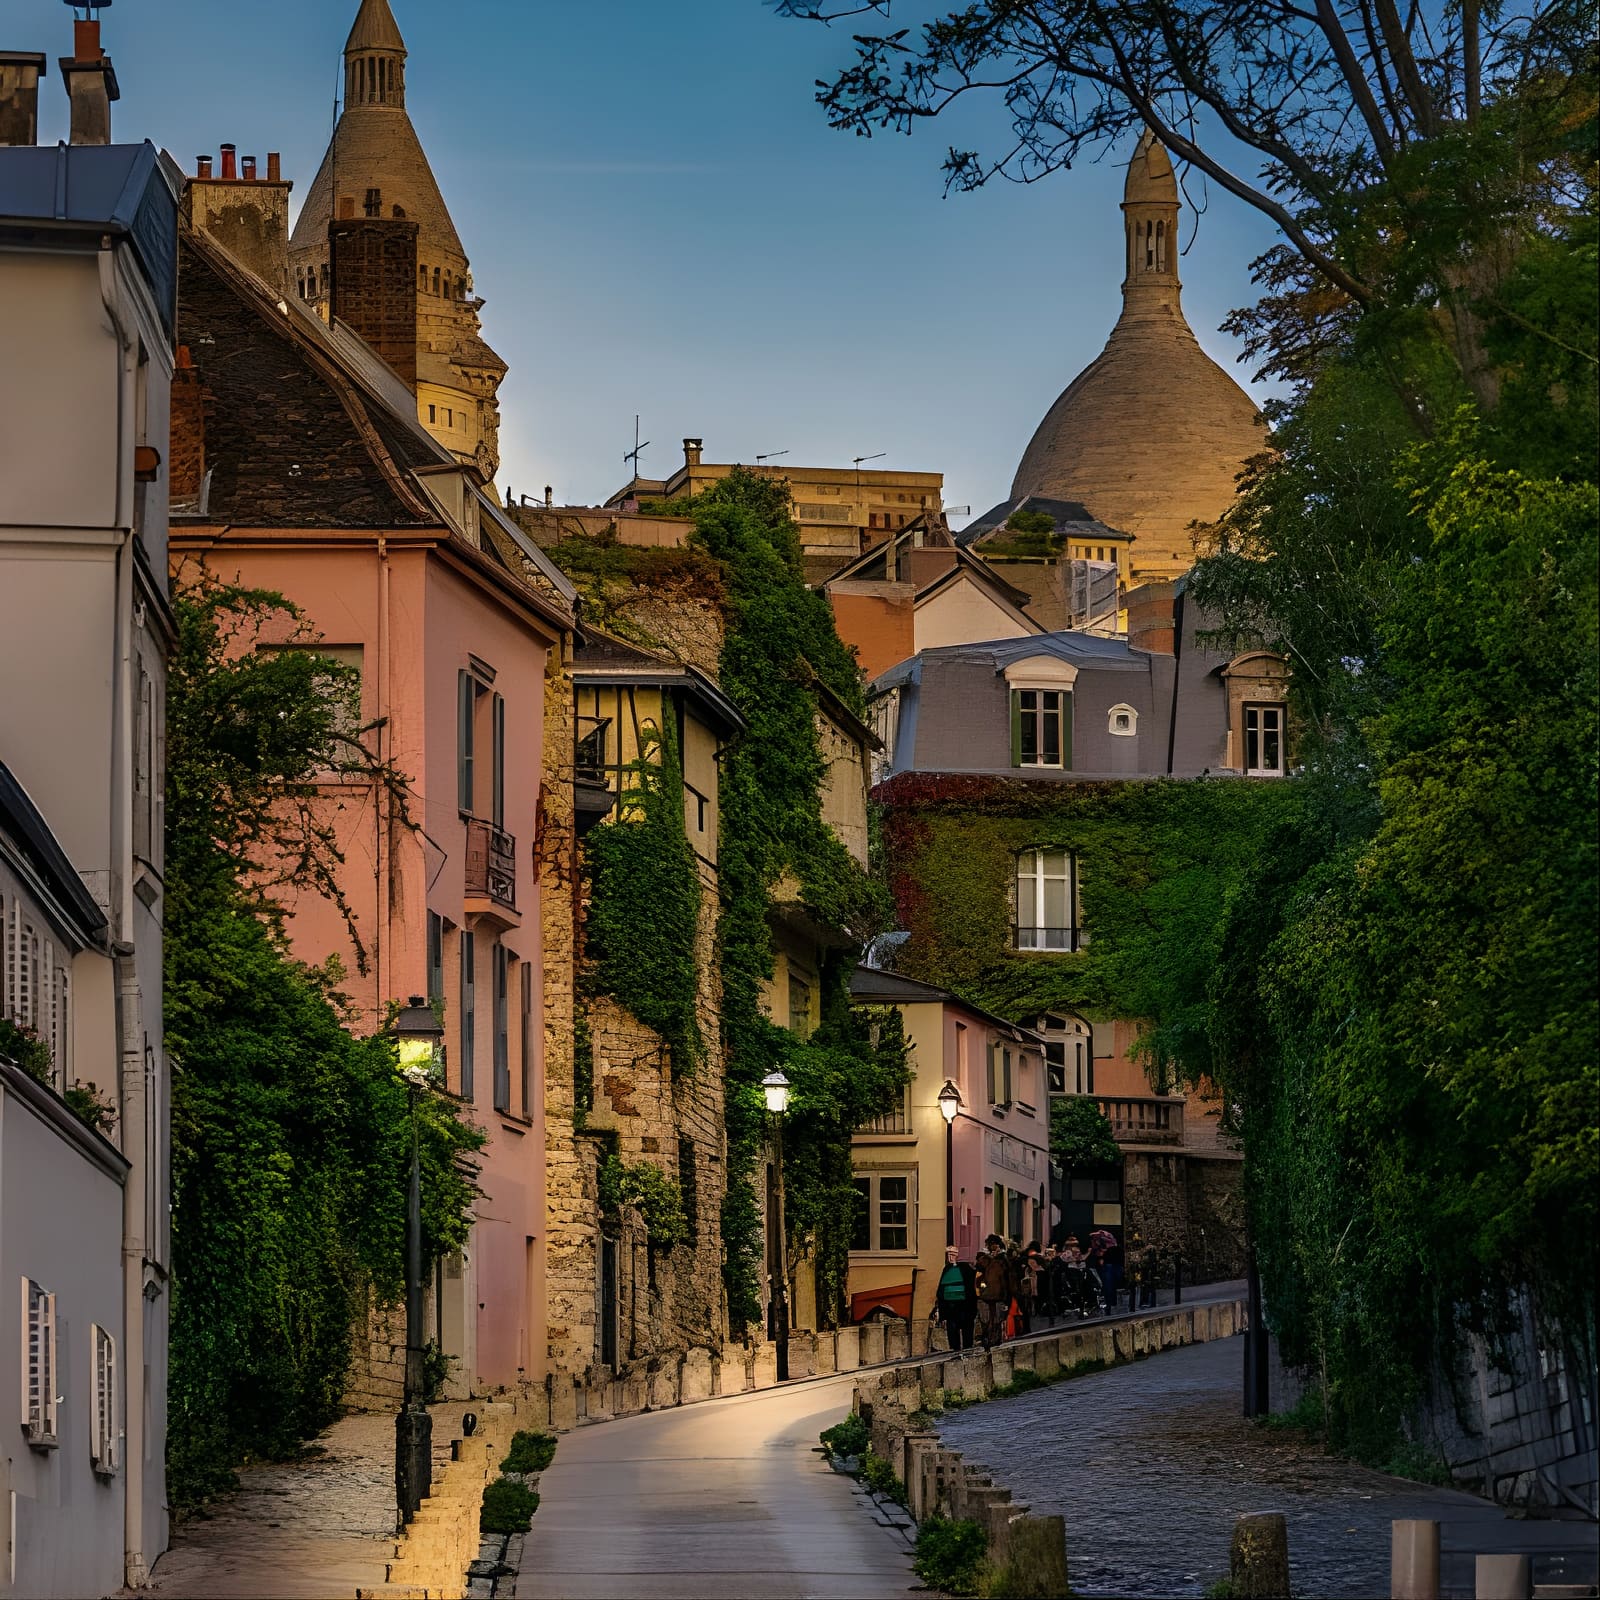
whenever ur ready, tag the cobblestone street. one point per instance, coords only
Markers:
(1150, 1464)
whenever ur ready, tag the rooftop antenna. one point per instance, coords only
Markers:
(772, 455)
(638, 449)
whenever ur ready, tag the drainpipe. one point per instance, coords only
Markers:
(135, 1107)
(1177, 669)
(385, 802)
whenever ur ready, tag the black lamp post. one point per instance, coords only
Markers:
(776, 1088)
(949, 1109)
(417, 1033)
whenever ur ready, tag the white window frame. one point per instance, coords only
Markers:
(1029, 927)
(1258, 709)
(40, 1402)
(105, 1437)
(1126, 712)
(875, 1224)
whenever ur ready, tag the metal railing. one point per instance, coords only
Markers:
(491, 865)
(1025, 938)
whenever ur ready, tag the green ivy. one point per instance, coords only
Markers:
(643, 923)
(651, 1192)
(24, 1048)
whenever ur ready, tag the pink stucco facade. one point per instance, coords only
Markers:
(434, 626)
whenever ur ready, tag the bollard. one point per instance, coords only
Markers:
(1504, 1578)
(1414, 1559)
(1258, 1560)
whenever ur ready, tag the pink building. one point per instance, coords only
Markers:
(926, 1182)
(299, 465)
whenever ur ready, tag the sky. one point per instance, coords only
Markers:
(662, 224)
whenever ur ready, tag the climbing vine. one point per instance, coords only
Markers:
(656, 1197)
(643, 922)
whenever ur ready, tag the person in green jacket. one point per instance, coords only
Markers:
(956, 1300)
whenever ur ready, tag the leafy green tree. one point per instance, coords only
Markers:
(1080, 1134)
(290, 1135)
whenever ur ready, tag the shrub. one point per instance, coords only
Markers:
(878, 1475)
(530, 1452)
(508, 1507)
(847, 1438)
(950, 1554)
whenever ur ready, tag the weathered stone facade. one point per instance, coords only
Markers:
(1187, 1203)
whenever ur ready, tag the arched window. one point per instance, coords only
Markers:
(1161, 247)
(1122, 721)
(436, 289)
(1047, 901)
(1149, 246)
(1068, 1052)
(422, 280)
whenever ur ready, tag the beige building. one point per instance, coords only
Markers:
(841, 510)
(374, 246)
(1151, 435)
(88, 246)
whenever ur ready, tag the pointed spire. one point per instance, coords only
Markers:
(1151, 180)
(375, 29)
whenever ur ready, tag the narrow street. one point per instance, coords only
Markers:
(727, 1498)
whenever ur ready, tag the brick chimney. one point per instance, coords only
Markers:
(1150, 617)
(691, 452)
(186, 456)
(20, 72)
(91, 85)
(246, 214)
(373, 271)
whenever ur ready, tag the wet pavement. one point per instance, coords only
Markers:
(1151, 1463)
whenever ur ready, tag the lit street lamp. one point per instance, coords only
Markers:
(776, 1089)
(417, 1034)
(949, 1109)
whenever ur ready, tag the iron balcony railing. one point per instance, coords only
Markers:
(1025, 938)
(491, 863)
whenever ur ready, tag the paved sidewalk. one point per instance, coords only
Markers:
(725, 1499)
(309, 1529)
(1151, 1463)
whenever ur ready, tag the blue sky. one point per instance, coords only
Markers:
(661, 222)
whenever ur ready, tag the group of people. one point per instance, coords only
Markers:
(998, 1293)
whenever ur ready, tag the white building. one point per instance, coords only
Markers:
(88, 265)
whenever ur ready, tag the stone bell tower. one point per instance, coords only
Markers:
(375, 221)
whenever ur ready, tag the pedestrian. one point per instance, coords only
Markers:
(957, 1299)
(1027, 1286)
(1111, 1271)
(993, 1276)
(1049, 1283)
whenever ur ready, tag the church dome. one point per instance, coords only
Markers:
(1151, 435)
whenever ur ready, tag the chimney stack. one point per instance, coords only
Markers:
(246, 214)
(274, 167)
(91, 85)
(549, 497)
(691, 452)
(20, 72)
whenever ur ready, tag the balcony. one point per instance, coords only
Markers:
(1144, 1119)
(893, 1124)
(491, 868)
(1055, 940)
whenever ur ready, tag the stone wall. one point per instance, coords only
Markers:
(1179, 1201)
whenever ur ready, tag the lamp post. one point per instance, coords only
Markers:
(776, 1088)
(417, 1033)
(949, 1109)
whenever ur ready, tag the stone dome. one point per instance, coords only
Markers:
(1151, 435)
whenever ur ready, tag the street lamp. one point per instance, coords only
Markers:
(949, 1109)
(776, 1089)
(417, 1035)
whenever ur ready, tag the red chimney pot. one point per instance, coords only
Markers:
(229, 170)
(86, 40)
(249, 173)
(202, 166)
(274, 167)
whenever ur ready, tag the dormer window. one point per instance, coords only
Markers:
(1041, 712)
(1122, 722)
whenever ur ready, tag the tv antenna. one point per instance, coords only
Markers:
(638, 449)
(859, 459)
(772, 455)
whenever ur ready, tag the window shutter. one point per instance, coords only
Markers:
(499, 723)
(1066, 730)
(50, 1366)
(1016, 728)
(464, 740)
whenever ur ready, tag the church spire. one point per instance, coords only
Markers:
(375, 59)
(1150, 219)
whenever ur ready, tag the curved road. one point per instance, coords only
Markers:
(726, 1498)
